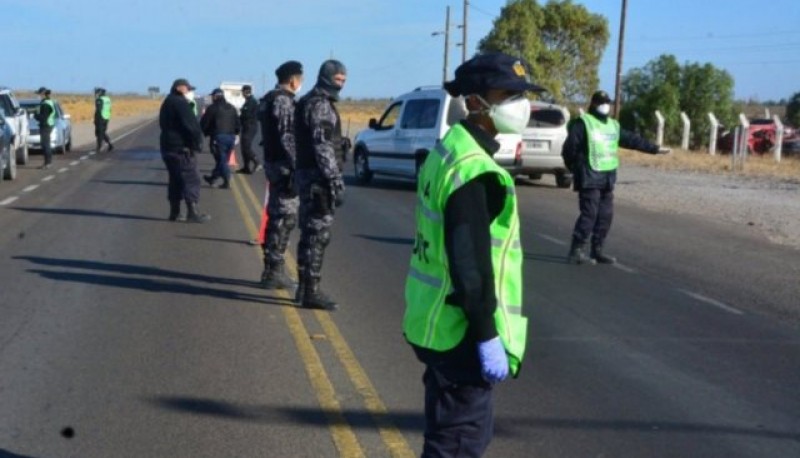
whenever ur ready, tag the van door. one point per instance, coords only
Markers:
(418, 132)
(381, 145)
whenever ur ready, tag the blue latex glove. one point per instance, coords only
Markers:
(494, 362)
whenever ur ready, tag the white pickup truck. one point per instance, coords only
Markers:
(233, 92)
(17, 119)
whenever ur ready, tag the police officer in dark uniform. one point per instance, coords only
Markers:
(221, 122)
(591, 154)
(248, 118)
(277, 121)
(46, 117)
(181, 140)
(102, 115)
(320, 153)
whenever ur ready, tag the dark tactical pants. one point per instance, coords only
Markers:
(458, 404)
(597, 212)
(47, 150)
(282, 209)
(246, 138)
(316, 219)
(184, 179)
(101, 132)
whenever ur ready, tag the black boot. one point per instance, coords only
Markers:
(225, 184)
(314, 298)
(577, 253)
(110, 147)
(600, 257)
(209, 179)
(175, 211)
(99, 145)
(194, 215)
(300, 292)
(275, 276)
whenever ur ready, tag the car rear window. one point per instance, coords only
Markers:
(546, 117)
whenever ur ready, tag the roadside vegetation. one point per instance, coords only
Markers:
(81, 106)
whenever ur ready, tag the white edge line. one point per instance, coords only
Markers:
(48, 177)
(625, 268)
(553, 239)
(30, 188)
(84, 157)
(147, 123)
(713, 302)
(92, 153)
(63, 170)
(8, 200)
(74, 163)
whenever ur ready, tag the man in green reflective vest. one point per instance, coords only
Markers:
(463, 293)
(591, 154)
(47, 121)
(102, 115)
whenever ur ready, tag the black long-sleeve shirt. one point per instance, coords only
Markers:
(179, 126)
(575, 153)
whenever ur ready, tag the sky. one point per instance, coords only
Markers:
(387, 46)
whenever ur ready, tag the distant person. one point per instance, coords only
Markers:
(102, 115)
(46, 117)
(248, 118)
(463, 315)
(591, 153)
(277, 120)
(181, 140)
(320, 154)
(221, 122)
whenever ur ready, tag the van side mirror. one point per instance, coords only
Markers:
(373, 123)
(67, 116)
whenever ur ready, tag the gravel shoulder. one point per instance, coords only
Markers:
(770, 206)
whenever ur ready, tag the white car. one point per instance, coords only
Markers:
(60, 138)
(17, 120)
(397, 144)
(8, 161)
(233, 92)
(542, 141)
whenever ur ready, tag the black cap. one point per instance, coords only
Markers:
(247, 88)
(599, 98)
(288, 70)
(99, 90)
(217, 91)
(182, 82)
(491, 71)
(43, 90)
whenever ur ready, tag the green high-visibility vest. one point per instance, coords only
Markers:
(603, 141)
(105, 111)
(429, 321)
(51, 119)
(193, 104)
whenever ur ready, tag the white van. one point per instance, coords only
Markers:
(396, 144)
(233, 92)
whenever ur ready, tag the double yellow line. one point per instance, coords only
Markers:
(344, 438)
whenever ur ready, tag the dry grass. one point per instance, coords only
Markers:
(357, 113)
(693, 161)
(81, 106)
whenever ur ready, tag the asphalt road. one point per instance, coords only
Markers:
(125, 335)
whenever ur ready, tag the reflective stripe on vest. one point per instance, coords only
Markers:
(51, 119)
(105, 112)
(603, 141)
(429, 321)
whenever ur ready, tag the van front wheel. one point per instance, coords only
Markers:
(361, 166)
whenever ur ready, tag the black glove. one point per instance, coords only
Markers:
(337, 192)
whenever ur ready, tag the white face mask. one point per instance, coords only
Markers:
(511, 116)
(189, 95)
(604, 109)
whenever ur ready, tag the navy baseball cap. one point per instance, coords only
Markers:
(600, 97)
(182, 82)
(217, 91)
(491, 71)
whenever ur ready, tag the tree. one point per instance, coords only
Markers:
(664, 85)
(793, 110)
(562, 41)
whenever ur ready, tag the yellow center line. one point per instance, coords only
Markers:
(343, 437)
(391, 436)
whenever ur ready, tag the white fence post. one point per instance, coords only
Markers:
(687, 128)
(660, 129)
(735, 148)
(712, 138)
(744, 140)
(766, 113)
(778, 138)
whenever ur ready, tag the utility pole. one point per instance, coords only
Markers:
(618, 84)
(464, 33)
(446, 34)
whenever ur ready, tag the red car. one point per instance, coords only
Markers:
(761, 137)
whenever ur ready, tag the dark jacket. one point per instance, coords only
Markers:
(43, 114)
(277, 127)
(576, 155)
(220, 118)
(248, 116)
(179, 127)
(318, 135)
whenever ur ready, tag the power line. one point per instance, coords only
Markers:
(716, 37)
(482, 11)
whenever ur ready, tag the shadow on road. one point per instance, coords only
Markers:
(389, 240)
(161, 184)
(6, 454)
(549, 258)
(92, 213)
(384, 184)
(215, 239)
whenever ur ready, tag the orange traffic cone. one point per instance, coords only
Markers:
(232, 160)
(262, 231)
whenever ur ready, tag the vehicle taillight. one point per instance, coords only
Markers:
(518, 154)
